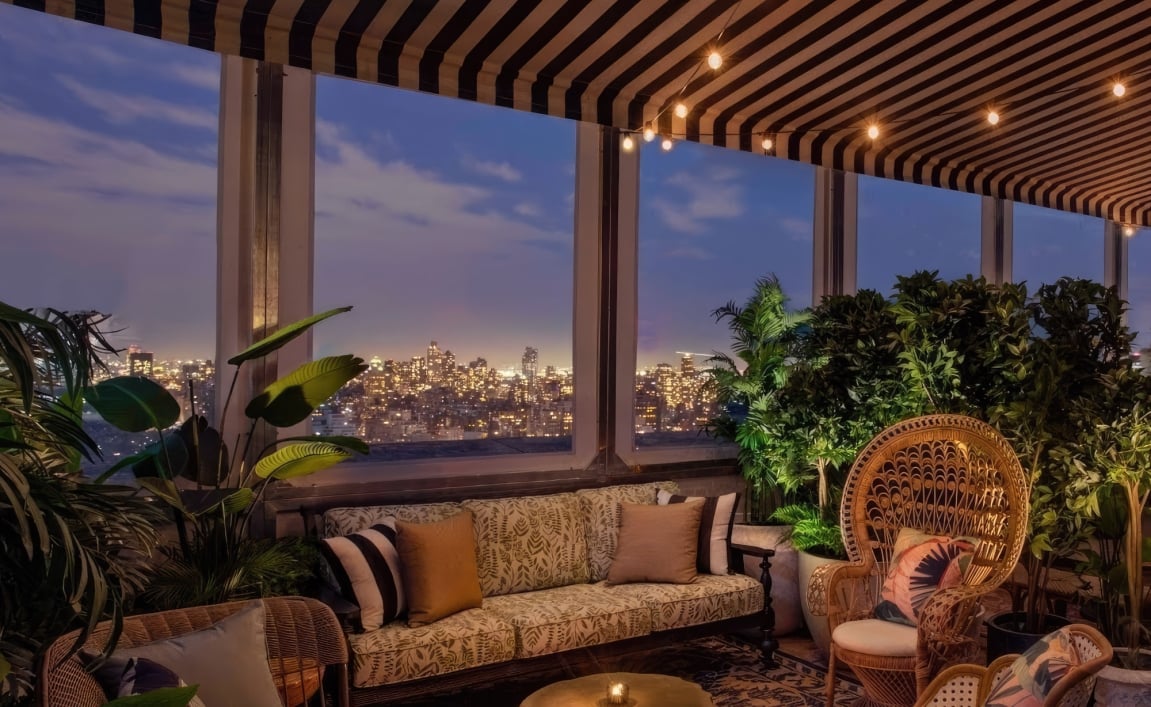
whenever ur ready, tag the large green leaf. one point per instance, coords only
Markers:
(295, 460)
(353, 443)
(133, 403)
(165, 461)
(267, 345)
(292, 398)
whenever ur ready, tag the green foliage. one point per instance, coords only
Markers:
(217, 559)
(71, 553)
(161, 697)
(811, 531)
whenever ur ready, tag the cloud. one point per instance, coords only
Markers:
(798, 229)
(527, 209)
(123, 108)
(691, 253)
(499, 170)
(205, 77)
(689, 201)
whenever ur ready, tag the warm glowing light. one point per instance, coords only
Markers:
(617, 693)
(873, 131)
(666, 144)
(714, 60)
(1119, 89)
(648, 133)
(766, 143)
(993, 117)
(680, 110)
(628, 144)
(1128, 230)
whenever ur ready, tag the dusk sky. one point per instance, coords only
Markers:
(436, 218)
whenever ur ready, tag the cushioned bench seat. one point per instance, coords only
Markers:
(395, 653)
(709, 598)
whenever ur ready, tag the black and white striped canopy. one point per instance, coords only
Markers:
(811, 73)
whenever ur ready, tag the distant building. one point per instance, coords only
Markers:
(141, 363)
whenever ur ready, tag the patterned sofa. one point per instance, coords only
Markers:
(542, 561)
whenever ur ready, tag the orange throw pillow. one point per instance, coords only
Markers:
(439, 567)
(656, 543)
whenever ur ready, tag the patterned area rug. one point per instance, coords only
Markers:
(727, 668)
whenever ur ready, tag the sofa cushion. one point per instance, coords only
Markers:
(656, 543)
(345, 521)
(533, 542)
(439, 561)
(709, 598)
(714, 528)
(600, 508)
(396, 653)
(366, 567)
(559, 619)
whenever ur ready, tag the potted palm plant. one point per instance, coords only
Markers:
(213, 488)
(72, 553)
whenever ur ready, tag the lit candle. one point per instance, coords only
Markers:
(617, 693)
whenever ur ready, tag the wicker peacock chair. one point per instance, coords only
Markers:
(942, 474)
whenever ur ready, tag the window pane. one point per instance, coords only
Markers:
(108, 193)
(1139, 290)
(1050, 244)
(711, 222)
(448, 225)
(906, 227)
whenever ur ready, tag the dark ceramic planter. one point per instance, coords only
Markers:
(1005, 632)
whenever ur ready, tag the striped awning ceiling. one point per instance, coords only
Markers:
(812, 74)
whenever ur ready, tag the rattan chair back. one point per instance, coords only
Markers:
(944, 474)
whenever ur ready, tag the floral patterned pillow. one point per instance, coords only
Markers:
(1035, 674)
(923, 564)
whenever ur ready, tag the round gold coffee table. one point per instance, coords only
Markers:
(645, 690)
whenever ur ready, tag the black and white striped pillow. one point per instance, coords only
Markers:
(366, 565)
(714, 528)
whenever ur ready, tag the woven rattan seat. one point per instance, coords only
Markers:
(942, 474)
(300, 632)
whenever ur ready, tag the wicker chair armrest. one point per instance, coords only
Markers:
(944, 638)
(300, 627)
(824, 591)
(958, 686)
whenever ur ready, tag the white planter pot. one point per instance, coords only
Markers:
(1119, 687)
(816, 625)
(784, 571)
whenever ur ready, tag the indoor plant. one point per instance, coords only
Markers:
(213, 490)
(71, 553)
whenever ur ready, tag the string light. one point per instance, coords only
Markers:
(628, 144)
(1128, 230)
(666, 144)
(648, 132)
(766, 143)
(1119, 89)
(680, 110)
(873, 131)
(714, 60)
(993, 117)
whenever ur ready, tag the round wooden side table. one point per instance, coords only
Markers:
(297, 679)
(645, 690)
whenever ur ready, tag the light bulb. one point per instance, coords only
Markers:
(648, 133)
(1119, 90)
(714, 60)
(1128, 230)
(680, 110)
(873, 131)
(993, 117)
(628, 144)
(666, 144)
(766, 143)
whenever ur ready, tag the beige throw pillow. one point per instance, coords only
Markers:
(656, 543)
(439, 567)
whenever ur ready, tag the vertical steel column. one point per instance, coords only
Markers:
(836, 237)
(996, 242)
(1115, 258)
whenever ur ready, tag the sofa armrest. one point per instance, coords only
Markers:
(768, 643)
(347, 613)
